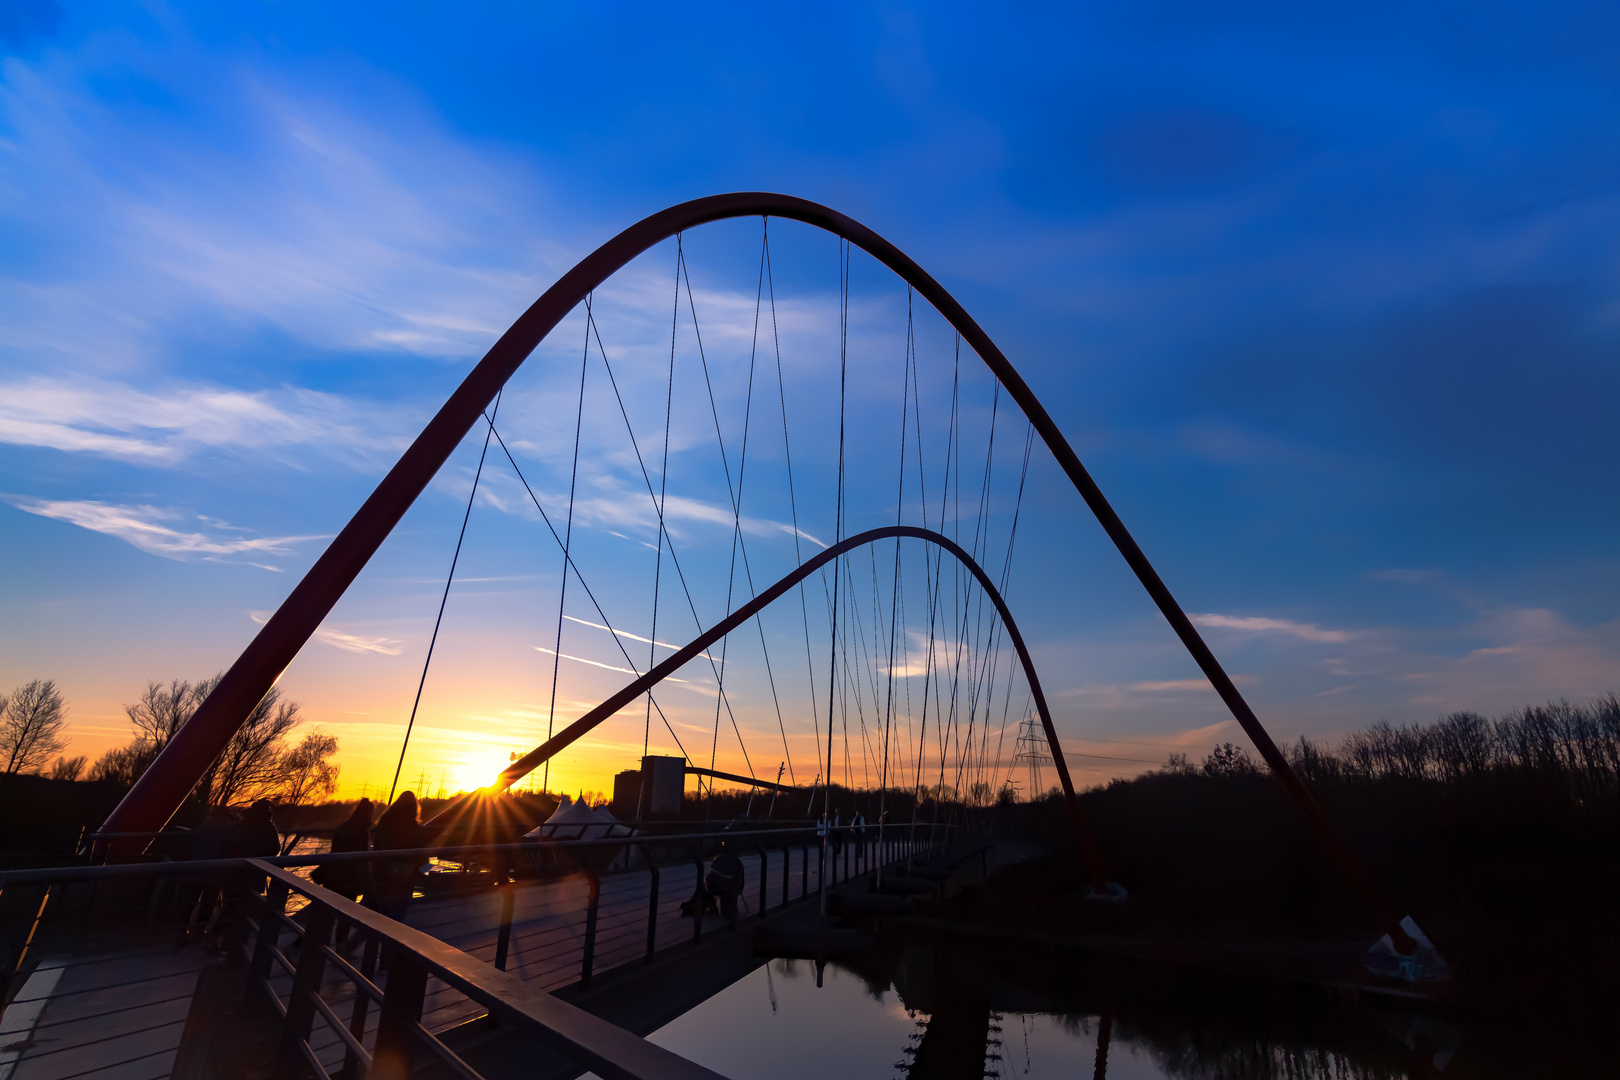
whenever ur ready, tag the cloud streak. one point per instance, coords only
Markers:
(144, 528)
(1259, 625)
(112, 420)
(632, 637)
(340, 640)
(604, 667)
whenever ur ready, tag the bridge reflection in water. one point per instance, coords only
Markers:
(927, 1006)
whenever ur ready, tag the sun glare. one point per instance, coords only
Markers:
(476, 768)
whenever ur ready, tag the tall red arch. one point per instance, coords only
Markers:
(163, 787)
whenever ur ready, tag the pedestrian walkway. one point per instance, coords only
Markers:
(104, 1009)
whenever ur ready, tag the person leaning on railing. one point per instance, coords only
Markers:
(199, 895)
(350, 880)
(255, 836)
(397, 830)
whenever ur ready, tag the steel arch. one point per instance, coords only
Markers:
(165, 784)
(1090, 854)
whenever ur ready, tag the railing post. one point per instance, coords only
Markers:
(503, 937)
(804, 872)
(401, 1013)
(700, 900)
(306, 983)
(652, 912)
(17, 945)
(764, 872)
(787, 872)
(353, 1067)
(275, 902)
(590, 929)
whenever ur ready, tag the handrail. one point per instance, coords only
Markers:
(604, 1048)
(182, 830)
(72, 874)
(258, 934)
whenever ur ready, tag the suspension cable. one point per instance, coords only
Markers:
(434, 639)
(663, 491)
(997, 633)
(735, 495)
(579, 576)
(680, 572)
(793, 507)
(894, 597)
(568, 535)
(838, 531)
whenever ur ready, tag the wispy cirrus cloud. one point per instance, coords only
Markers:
(1179, 686)
(1252, 624)
(362, 233)
(112, 420)
(623, 670)
(153, 530)
(633, 637)
(611, 505)
(339, 639)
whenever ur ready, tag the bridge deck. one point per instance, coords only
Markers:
(117, 1009)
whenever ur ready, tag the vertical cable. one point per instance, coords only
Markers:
(568, 536)
(663, 492)
(434, 640)
(838, 531)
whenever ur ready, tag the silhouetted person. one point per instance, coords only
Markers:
(350, 880)
(253, 837)
(397, 830)
(725, 881)
(207, 841)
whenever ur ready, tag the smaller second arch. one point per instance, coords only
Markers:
(1089, 852)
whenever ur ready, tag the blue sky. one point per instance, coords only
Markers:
(1327, 302)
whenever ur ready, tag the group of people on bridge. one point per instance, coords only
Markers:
(382, 885)
(838, 833)
(385, 885)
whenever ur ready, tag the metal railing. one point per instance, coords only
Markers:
(110, 932)
(414, 956)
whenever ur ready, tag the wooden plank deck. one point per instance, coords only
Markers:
(117, 1009)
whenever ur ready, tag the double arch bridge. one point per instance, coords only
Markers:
(164, 786)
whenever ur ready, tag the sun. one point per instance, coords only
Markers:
(477, 767)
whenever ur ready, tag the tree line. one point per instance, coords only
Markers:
(265, 758)
(1576, 747)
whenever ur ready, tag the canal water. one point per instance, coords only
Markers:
(927, 1006)
(778, 1023)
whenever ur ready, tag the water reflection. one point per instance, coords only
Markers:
(776, 1023)
(932, 1009)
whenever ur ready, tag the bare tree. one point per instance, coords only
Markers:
(163, 709)
(31, 726)
(1314, 763)
(68, 768)
(305, 770)
(250, 765)
(123, 765)
(1461, 745)
(1178, 765)
(1229, 760)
